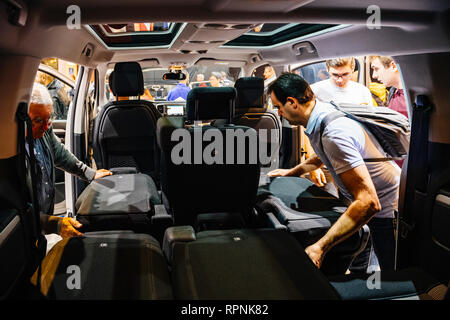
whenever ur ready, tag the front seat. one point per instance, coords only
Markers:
(125, 130)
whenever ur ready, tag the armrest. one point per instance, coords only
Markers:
(176, 234)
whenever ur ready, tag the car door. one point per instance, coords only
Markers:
(61, 90)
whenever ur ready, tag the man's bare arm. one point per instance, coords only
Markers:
(312, 163)
(361, 210)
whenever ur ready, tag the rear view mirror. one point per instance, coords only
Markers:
(174, 76)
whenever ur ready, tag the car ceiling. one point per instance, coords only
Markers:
(46, 34)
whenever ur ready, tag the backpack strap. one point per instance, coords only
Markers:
(339, 114)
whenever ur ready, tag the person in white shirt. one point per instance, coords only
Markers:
(339, 87)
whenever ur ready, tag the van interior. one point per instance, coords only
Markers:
(199, 229)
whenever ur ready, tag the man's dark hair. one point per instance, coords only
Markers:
(291, 85)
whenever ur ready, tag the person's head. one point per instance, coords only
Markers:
(385, 70)
(214, 79)
(268, 72)
(200, 77)
(341, 70)
(293, 97)
(40, 110)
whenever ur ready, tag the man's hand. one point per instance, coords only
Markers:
(67, 228)
(280, 173)
(316, 254)
(318, 177)
(100, 173)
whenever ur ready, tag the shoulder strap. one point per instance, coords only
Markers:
(339, 114)
(390, 94)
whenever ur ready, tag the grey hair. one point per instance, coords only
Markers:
(40, 95)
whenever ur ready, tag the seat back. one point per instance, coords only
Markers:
(125, 131)
(207, 169)
(251, 111)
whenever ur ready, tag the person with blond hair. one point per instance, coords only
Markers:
(340, 88)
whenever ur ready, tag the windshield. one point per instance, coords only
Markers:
(157, 89)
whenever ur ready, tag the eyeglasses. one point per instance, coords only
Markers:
(343, 76)
(41, 122)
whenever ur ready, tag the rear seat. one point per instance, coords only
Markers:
(216, 195)
(242, 264)
(299, 206)
(104, 266)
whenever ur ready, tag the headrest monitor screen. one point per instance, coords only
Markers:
(175, 110)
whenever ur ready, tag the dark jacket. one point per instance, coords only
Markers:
(63, 159)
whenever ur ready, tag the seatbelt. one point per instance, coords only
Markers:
(40, 243)
(417, 170)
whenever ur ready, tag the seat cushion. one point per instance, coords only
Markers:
(246, 264)
(110, 265)
(118, 194)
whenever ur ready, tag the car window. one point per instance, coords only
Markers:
(157, 89)
(61, 92)
(313, 73)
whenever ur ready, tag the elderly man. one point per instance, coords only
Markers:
(50, 153)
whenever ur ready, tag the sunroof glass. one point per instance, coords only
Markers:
(120, 29)
(268, 28)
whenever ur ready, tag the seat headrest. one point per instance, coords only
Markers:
(128, 79)
(250, 93)
(210, 103)
(111, 83)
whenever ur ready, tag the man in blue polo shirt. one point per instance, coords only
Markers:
(371, 189)
(181, 90)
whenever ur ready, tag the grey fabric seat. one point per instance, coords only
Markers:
(105, 266)
(245, 264)
(125, 131)
(195, 187)
(118, 202)
(251, 111)
(299, 206)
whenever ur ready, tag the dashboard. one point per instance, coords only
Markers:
(171, 108)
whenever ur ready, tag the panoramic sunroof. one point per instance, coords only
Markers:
(273, 34)
(132, 35)
(163, 34)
